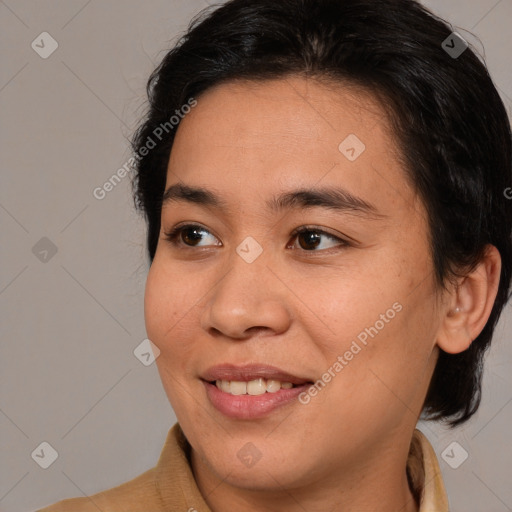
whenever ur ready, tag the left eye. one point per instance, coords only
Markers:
(309, 239)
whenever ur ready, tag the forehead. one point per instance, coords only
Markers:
(288, 110)
(256, 137)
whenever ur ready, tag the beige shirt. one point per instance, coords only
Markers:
(170, 486)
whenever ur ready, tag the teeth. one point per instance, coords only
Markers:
(253, 387)
(238, 388)
(273, 386)
(256, 387)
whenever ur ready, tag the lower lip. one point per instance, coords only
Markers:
(248, 407)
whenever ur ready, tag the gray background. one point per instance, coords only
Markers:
(69, 325)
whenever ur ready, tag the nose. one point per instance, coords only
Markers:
(248, 298)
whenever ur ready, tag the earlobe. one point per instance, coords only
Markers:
(453, 336)
(471, 304)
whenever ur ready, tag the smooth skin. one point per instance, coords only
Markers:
(304, 300)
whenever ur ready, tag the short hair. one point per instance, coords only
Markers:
(450, 125)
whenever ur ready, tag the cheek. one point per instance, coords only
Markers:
(168, 313)
(172, 306)
(390, 372)
(169, 300)
(342, 308)
(157, 306)
(382, 325)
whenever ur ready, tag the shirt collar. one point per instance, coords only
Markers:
(423, 467)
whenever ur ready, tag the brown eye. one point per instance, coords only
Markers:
(188, 235)
(310, 239)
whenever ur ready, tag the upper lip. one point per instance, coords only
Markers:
(245, 373)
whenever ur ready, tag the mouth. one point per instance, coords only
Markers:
(255, 387)
(251, 391)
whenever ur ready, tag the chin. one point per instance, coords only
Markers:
(261, 477)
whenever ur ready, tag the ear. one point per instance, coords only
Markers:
(470, 304)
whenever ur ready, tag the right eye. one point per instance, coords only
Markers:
(187, 235)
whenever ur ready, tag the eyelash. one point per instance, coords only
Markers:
(173, 236)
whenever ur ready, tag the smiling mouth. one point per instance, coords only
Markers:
(254, 387)
(255, 397)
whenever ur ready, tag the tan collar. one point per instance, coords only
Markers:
(173, 471)
(425, 475)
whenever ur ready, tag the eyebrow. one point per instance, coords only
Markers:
(333, 198)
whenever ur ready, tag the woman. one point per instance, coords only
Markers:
(324, 184)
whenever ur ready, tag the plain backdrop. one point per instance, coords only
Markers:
(73, 267)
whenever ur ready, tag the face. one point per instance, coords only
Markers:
(345, 309)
